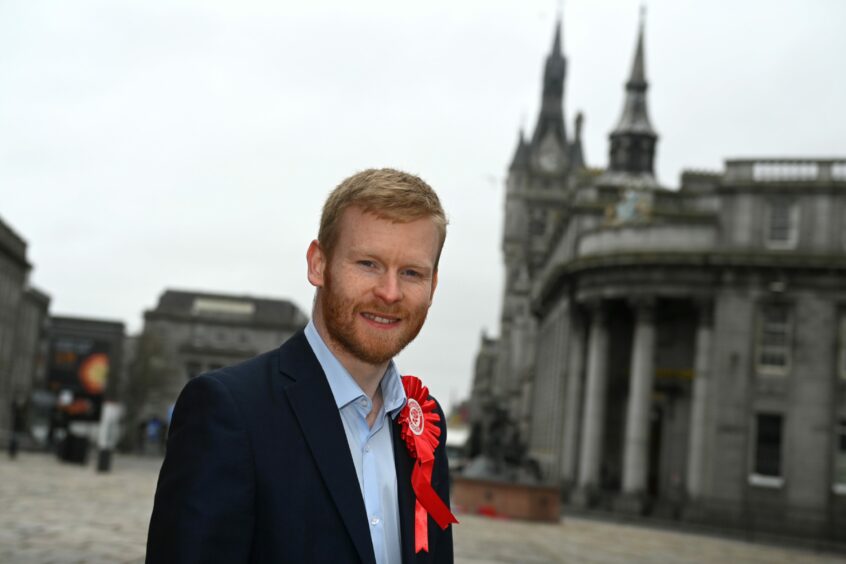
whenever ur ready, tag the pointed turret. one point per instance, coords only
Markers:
(638, 74)
(551, 116)
(556, 41)
(577, 158)
(633, 140)
(521, 153)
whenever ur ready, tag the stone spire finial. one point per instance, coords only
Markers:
(551, 116)
(633, 139)
(556, 41)
(638, 74)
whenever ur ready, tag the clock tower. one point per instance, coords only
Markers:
(549, 140)
(536, 206)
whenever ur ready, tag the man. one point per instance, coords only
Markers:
(297, 455)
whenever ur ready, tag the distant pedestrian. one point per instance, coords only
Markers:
(18, 426)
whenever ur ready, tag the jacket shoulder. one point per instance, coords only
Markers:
(255, 371)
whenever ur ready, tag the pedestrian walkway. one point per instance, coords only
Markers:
(53, 513)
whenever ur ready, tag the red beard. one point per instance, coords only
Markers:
(342, 316)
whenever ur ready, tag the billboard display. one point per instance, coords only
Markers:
(80, 365)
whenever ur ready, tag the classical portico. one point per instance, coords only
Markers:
(593, 418)
(701, 389)
(662, 394)
(640, 398)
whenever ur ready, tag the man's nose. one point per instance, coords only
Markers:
(388, 288)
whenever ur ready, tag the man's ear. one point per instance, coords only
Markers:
(316, 259)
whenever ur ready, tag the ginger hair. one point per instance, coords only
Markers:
(387, 193)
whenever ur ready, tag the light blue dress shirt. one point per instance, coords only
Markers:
(371, 447)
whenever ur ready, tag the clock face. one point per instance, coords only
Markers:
(548, 162)
(550, 153)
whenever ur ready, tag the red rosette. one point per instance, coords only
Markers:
(419, 429)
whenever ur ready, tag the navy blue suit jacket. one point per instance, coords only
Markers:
(258, 470)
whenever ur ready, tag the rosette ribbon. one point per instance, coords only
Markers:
(419, 429)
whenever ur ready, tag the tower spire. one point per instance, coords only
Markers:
(638, 74)
(556, 42)
(552, 102)
(633, 139)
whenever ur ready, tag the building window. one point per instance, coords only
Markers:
(198, 335)
(840, 457)
(782, 224)
(766, 465)
(843, 228)
(773, 339)
(537, 225)
(841, 348)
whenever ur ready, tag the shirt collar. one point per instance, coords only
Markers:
(344, 388)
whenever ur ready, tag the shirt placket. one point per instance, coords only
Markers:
(370, 481)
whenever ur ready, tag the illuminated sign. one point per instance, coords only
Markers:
(80, 365)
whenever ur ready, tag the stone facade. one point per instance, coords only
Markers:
(23, 316)
(678, 352)
(29, 359)
(189, 333)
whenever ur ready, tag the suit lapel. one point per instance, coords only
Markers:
(314, 406)
(404, 466)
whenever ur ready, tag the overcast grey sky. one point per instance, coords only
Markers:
(190, 144)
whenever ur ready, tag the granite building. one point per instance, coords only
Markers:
(677, 352)
(189, 333)
(23, 319)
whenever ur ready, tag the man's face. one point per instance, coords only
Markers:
(377, 287)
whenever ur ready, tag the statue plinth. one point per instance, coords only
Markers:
(499, 498)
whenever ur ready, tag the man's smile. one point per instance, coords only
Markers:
(380, 319)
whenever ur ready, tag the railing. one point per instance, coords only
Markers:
(648, 238)
(785, 170)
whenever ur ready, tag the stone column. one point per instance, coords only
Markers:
(698, 422)
(593, 418)
(575, 367)
(636, 451)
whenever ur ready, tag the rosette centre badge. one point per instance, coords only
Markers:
(415, 417)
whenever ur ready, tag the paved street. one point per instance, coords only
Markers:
(56, 513)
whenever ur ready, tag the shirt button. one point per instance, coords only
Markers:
(367, 449)
(374, 521)
(363, 403)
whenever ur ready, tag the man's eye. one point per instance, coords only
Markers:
(367, 263)
(412, 274)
